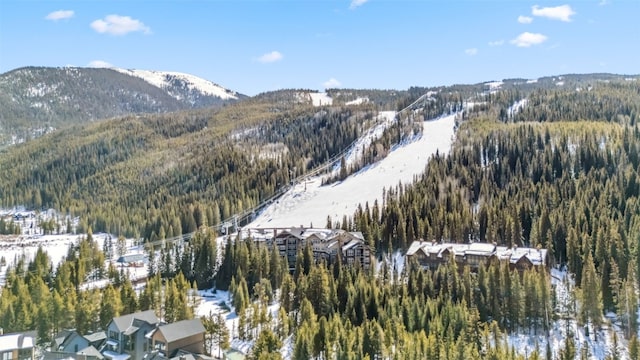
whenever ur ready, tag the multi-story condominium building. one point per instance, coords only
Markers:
(327, 245)
(431, 254)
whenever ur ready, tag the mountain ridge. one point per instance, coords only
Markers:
(37, 100)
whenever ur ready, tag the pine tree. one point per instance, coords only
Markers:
(267, 346)
(591, 309)
(110, 306)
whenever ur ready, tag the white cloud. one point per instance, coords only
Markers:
(496, 43)
(604, 2)
(99, 64)
(119, 25)
(471, 52)
(356, 3)
(527, 39)
(562, 12)
(270, 57)
(331, 83)
(525, 19)
(60, 15)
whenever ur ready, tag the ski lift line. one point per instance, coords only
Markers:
(239, 218)
(242, 216)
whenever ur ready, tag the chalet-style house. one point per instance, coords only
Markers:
(17, 347)
(126, 335)
(71, 344)
(431, 254)
(327, 245)
(167, 340)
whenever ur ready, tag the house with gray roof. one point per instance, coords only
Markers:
(186, 336)
(126, 335)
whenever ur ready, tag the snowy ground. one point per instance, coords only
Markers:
(599, 346)
(320, 99)
(14, 247)
(309, 203)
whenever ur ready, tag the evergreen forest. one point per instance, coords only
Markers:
(560, 173)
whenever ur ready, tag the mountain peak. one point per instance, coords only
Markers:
(182, 86)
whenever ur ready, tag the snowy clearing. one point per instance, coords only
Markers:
(162, 79)
(320, 99)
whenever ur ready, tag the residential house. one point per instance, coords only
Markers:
(17, 347)
(126, 335)
(186, 336)
(89, 353)
(69, 343)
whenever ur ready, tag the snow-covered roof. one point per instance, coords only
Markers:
(352, 244)
(15, 342)
(513, 255)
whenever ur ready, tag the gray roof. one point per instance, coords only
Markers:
(181, 329)
(125, 321)
(60, 337)
(91, 351)
(96, 336)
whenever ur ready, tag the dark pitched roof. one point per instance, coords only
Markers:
(181, 329)
(124, 322)
(60, 337)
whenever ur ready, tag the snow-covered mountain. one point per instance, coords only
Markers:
(37, 98)
(184, 87)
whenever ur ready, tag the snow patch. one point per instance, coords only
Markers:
(162, 79)
(517, 107)
(320, 99)
(357, 101)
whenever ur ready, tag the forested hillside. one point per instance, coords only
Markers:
(37, 100)
(164, 175)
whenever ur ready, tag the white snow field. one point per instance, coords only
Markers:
(160, 79)
(309, 203)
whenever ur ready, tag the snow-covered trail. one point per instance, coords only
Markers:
(309, 203)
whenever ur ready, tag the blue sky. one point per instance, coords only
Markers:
(253, 46)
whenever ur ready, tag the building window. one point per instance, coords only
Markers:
(130, 343)
(114, 335)
(159, 346)
(7, 355)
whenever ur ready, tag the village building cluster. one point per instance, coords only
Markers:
(137, 336)
(431, 254)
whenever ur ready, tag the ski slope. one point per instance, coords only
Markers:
(309, 204)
